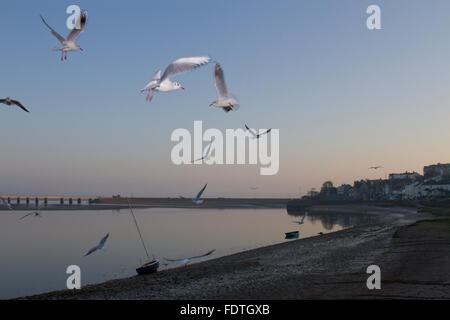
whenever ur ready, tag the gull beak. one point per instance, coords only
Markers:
(181, 88)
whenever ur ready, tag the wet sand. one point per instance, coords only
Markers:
(413, 257)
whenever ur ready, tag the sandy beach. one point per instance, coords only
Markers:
(410, 247)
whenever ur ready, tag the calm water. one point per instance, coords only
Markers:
(36, 251)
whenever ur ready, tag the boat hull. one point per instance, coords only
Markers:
(292, 235)
(149, 267)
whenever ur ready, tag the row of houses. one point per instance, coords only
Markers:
(434, 183)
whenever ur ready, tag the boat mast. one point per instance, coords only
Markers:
(139, 231)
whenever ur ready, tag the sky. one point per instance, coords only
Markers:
(343, 97)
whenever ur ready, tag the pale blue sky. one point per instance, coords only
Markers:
(344, 98)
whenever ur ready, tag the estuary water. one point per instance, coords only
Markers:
(36, 251)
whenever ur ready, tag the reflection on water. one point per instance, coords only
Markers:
(330, 219)
(35, 252)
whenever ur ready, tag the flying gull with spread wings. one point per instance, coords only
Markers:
(187, 260)
(255, 134)
(303, 219)
(100, 246)
(207, 154)
(225, 99)
(36, 213)
(70, 44)
(376, 167)
(164, 84)
(197, 200)
(9, 102)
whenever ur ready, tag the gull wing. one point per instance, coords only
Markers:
(203, 255)
(219, 82)
(266, 132)
(209, 149)
(187, 259)
(76, 33)
(251, 130)
(174, 260)
(183, 65)
(17, 103)
(56, 34)
(206, 154)
(2, 100)
(102, 242)
(200, 193)
(28, 214)
(154, 81)
(91, 251)
(304, 216)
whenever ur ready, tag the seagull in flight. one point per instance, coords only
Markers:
(100, 246)
(70, 44)
(5, 203)
(376, 167)
(225, 99)
(36, 213)
(164, 84)
(303, 219)
(9, 102)
(207, 154)
(185, 261)
(197, 200)
(257, 135)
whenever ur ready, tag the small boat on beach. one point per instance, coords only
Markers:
(292, 235)
(148, 267)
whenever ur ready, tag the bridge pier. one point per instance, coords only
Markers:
(28, 201)
(79, 201)
(70, 201)
(45, 201)
(61, 201)
(36, 201)
(18, 200)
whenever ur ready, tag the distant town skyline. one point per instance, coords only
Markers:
(433, 184)
(343, 97)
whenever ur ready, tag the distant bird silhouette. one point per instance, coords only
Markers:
(36, 213)
(207, 154)
(185, 261)
(376, 167)
(100, 246)
(9, 102)
(257, 135)
(197, 200)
